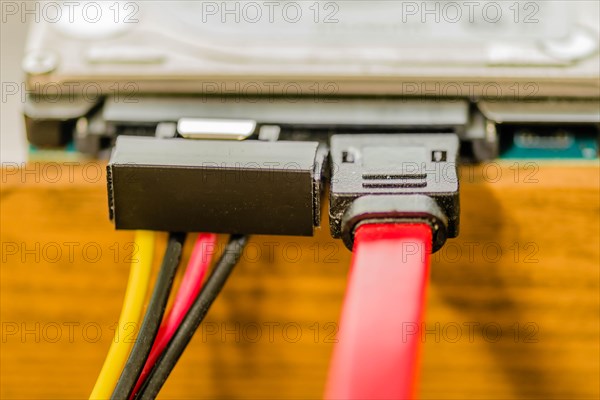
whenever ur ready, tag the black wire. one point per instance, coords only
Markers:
(193, 318)
(152, 318)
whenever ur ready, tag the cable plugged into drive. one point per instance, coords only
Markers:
(394, 200)
(185, 185)
(394, 178)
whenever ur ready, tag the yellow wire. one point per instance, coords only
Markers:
(133, 304)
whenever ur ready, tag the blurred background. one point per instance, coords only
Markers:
(12, 137)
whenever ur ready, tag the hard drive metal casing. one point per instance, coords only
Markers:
(141, 68)
(496, 49)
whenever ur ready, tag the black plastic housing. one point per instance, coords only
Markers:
(248, 187)
(394, 175)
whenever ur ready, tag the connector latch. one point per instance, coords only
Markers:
(394, 177)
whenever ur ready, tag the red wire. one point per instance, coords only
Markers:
(188, 291)
(376, 356)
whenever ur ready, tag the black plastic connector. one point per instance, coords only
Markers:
(394, 177)
(248, 187)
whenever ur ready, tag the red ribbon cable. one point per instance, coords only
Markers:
(376, 356)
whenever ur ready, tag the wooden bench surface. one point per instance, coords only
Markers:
(513, 305)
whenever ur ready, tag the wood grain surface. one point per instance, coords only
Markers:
(513, 305)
